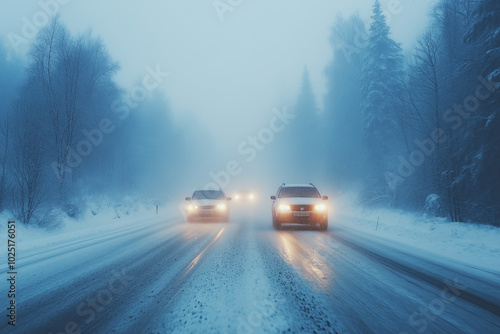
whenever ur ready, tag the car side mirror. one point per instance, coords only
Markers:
(325, 198)
(273, 198)
(188, 198)
(229, 198)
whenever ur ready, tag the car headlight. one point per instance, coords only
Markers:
(251, 196)
(192, 207)
(237, 197)
(221, 206)
(320, 207)
(284, 207)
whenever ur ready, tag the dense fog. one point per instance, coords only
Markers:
(406, 120)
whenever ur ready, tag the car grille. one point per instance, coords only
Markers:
(307, 207)
(206, 207)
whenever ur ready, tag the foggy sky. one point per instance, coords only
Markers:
(227, 74)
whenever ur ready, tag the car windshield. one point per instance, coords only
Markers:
(208, 194)
(287, 192)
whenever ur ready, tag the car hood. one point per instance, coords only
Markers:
(207, 202)
(299, 200)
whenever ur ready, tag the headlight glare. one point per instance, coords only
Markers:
(319, 207)
(284, 207)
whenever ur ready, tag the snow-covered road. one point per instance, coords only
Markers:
(167, 276)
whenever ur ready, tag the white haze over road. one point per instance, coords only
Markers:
(238, 68)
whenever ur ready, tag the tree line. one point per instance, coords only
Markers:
(418, 131)
(62, 141)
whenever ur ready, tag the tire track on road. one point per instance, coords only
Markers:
(54, 309)
(145, 322)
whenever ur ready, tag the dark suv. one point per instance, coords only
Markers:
(208, 204)
(299, 204)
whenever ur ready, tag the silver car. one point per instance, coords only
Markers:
(208, 204)
(299, 204)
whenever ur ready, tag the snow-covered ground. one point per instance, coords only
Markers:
(98, 219)
(156, 273)
(473, 245)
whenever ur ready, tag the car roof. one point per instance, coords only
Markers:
(209, 190)
(298, 185)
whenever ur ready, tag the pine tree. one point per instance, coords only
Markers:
(304, 130)
(482, 144)
(306, 102)
(382, 90)
(485, 36)
(342, 121)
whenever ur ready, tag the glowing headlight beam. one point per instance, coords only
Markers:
(221, 206)
(319, 207)
(284, 207)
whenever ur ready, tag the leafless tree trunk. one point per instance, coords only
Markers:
(29, 161)
(70, 73)
(426, 90)
(4, 131)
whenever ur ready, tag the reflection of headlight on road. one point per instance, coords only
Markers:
(221, 206)
(319, 207)
(284, 207)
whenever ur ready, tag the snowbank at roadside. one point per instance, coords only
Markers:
(97, 219)
(474, 245)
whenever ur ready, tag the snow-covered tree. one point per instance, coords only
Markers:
(479, 174)
(74, 76)
(11, 75)
(342, 121)
(424, 113)
(304, 132)
(382, 90)
(28, 162)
